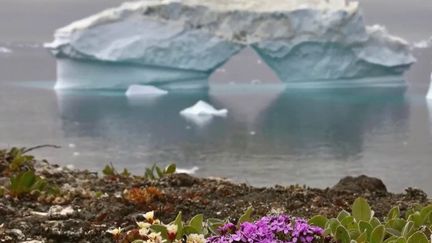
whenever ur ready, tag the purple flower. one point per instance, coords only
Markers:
(269, 229)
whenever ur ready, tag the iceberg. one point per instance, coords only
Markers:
(423, 44)
(5, 50)
(179, 43)
(203, 109)
(144, 91)
(202, 113)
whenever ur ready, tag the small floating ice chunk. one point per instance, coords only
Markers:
(144, 90)
(5, 50)
(255, 82)
(191, 171)
(423, 44)
(203, 109)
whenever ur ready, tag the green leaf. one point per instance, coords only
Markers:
(396, 223)
(400, 240)
(214, 224)
(159, 172)
(352, 227)
(375, 222)
(333, 224)
(197, 222)
(377, 235)
(246, 217)
(342, 235)
(342, 214)
(393, 213)
(362, 238)
(187, 230)
(418, 237)
(366, 227)
(318, 220)
(391, 239)
(125, 173)
(109, 170)
(178, 221)
(408, 229)
(416, 218)
(361, 210)
(170, 169)
(160, 229)
(149, 174)
(393, 232)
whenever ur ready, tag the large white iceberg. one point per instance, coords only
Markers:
(174, 42)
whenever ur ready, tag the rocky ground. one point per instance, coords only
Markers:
(89, 203)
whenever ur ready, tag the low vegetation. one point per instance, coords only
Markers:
(121, 195)
(359, 226)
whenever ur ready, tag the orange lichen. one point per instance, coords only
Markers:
(142, 195)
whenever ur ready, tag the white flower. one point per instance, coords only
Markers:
(149, 216)
(143, 225)
(115, 231)
(172, 229)
(195, 238)
(143, 232)
(154, 238)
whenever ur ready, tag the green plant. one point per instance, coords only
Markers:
(156, 172)
(362, 226)
(26, 182)
(153, 230)
(15, 160)
(110, 171)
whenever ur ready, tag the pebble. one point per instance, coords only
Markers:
(18, 233)
(60, 211)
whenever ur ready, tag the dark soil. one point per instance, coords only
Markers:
(91, 204)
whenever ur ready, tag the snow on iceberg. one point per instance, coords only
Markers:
(144, 91)
(174, 42)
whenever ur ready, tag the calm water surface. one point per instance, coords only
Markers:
(271, 136)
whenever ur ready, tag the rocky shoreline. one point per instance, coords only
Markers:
(90, 203)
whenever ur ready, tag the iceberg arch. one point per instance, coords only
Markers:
(177, 44)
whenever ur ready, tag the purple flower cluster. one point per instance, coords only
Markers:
(270, 229)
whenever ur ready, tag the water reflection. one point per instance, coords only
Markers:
(429, 106)
(288, 124)
(335, 122)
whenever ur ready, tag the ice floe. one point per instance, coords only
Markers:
(202, 108)
(144, 91)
